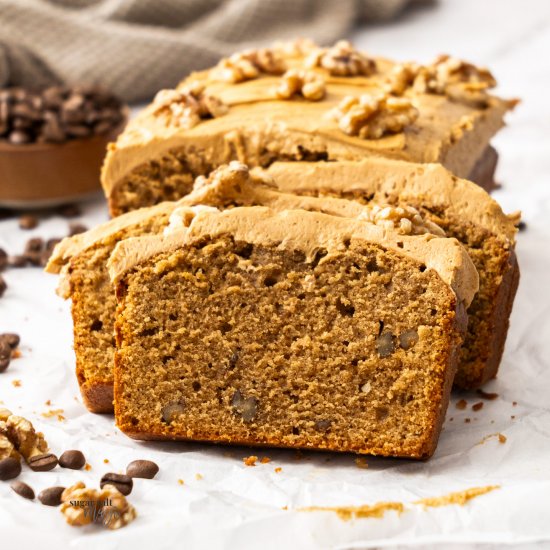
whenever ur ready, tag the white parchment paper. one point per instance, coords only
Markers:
(233, 506)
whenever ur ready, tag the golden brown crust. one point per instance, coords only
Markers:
(98, 396)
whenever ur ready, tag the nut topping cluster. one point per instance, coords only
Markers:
(82, 505)
(187, 106)
(342, 59)
(373, 116)
(404, 219)
(248, 65)
(308, 84)
(21, 434)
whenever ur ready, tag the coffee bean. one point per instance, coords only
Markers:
(73, 460)
(28, 222)
(36, 244)
(18, 261)
(69, 211)
(76, 228)
(3, 286)
(5, 355)
(9, 468)
(51, 496)
(43, 463)
(11, 338)
(122, 482)
(145, 469)
(22, 489)
(3, 259)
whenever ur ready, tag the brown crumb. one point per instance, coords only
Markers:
(250, 460)
(451, 419)
(106, 460)
(460, 497)
(87, 467)
(467, 420)
(487, 395)
(16, 383)
(514, 403)
(278, 470)
(181, 482)
(284, 508)
(16, 353)
(462, 404)
(513, 417)
(52, 412)
(366, 511)
(361, 462)
(477, 406)
(265, 460)
(198, 477)
(502, 438)
(48, 403)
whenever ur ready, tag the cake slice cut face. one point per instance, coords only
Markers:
(461, 209)
(304, 103)
(290, 329)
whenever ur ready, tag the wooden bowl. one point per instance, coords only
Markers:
(45, 174)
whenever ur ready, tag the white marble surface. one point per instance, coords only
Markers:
(238, 507)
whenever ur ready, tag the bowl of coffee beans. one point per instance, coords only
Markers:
(53, 141)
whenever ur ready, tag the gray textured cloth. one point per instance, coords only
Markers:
(136, 47)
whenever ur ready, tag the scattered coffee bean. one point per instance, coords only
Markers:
(122, 482)
(3, 286)
(76, 229)
(11, 338)
(3, 259)
(69, 211)
(22, 489)
(522, 226)
(51, 496)
(9, 468)
(28, 222)
(5, 355)
(36, 244)
(43, 463)
(145, 469)
(74, 460)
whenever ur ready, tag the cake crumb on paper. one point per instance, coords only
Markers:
(460, 497)
(198, 477)
(16, 383)
(250, 460)
(278, 470)
(501, 438)
(462, 404)
(477, 406)
(490, 396)
(365, 511)
(181, 482)
(265, 460)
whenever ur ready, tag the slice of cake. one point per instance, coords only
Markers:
(82, 260)
(291, 329)
(462, 209)
(302, 102)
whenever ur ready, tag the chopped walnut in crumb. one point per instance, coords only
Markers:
(248, 65)
(400, 78)
(82, 505)
(342, 59)
(403, 219)
(459, 80)
(373, 116)
(22, 435)
(187, 106)
(308, 84)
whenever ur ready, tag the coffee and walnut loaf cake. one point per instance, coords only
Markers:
(462, 209)
(82, 260)
(292, 329)
(305, 103)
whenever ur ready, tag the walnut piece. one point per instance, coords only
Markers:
(400, 78)
(82, 505)
(459, 80)
(248, 65)
(308, 84)
(187, 106)
(373, 116)
(22, 435)
(403, 219)
(7, 449)
(342, 59)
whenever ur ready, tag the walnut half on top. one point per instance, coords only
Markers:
(373, 116)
